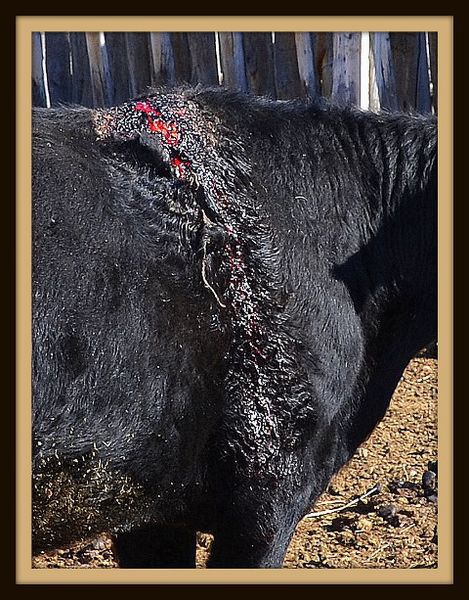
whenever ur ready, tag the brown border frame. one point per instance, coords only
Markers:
(27, 24)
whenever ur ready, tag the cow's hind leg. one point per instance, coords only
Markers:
(152, 547)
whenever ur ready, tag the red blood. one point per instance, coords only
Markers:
(243, 304)
(169, 130)
(147, 108)
(180, 165)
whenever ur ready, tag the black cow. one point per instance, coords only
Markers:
(226, 291)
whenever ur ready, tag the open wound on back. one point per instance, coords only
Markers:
(264, 370)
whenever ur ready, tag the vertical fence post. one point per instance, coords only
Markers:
(38, 85)
(373, 93)
(232, 60)
(423, 98)
(323, 55)
(182, 59)
(433, 47)
(109, 91)
(80, 68)
(403, 53)
(258, 55)
(287, 77)
(81, 75)
(203, 58)
(307, 64)
(119, 66)
(138, 57)
(162, 56)
(98, 82)
(58, 67)
(384, 70)
(346, 68)
(407, 57)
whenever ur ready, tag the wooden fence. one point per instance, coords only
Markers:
(394, 71)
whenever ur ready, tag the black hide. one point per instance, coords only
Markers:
(226, 291)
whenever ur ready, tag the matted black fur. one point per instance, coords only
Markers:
(226, 291)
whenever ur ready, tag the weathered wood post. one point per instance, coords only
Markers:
(203, 58)
(98, 78)
(346, 68)
(258, 55)
(384, 70)
(81, 75)
(307, 63)
(58, 67)
(138, 57)
(433, 47)
(38, 85)
(287, 77)
(411, 68)
(161, 50)
(232, 61)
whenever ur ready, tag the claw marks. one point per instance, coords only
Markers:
(188, 141)
(263, 375)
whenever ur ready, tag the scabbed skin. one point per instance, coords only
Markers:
(226, 292)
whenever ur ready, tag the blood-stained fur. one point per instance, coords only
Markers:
(226, 291)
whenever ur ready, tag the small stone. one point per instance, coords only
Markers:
(429, 480)
(387, 511)
(395, 521)
(99, 543)
(339, 523)
(433, 498)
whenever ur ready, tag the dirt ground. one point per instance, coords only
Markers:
(393, 527)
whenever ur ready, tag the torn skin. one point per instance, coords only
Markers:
(126, 122)
(188, 145)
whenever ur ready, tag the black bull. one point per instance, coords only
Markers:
(226, 291)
